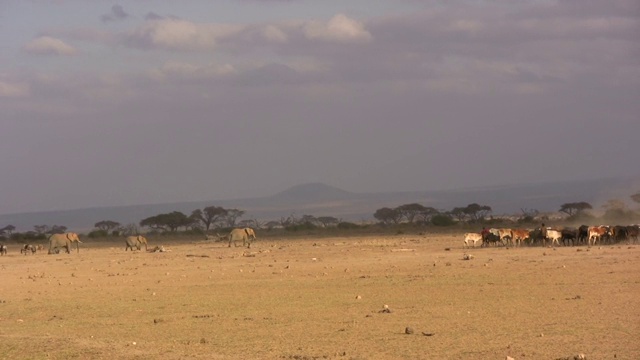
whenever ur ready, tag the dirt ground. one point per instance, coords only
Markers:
(322, 299)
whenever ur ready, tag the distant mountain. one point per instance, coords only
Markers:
(311, 192)
(319, 199)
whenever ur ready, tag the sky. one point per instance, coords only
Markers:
(142, 101)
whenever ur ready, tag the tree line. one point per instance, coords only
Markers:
(218, 218)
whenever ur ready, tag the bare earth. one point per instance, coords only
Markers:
(322, 299)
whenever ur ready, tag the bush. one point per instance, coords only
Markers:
(442, 220)
(98, 234)
(29, 235)
(347, 225)
(301, 227)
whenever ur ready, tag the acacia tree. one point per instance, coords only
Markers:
(636, 197)
(477, 212)
(288, 221)
(232, 216)
(58, 229)
(427, 214)
(387, 215)
(327, 221)
(209, 216)
(458, 213)
(575, 208)
(41, 229)
(8, 230)
(106, 225)
(167, 222)
(129, 229)
(410, 211)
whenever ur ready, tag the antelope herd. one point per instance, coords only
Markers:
(567, 236)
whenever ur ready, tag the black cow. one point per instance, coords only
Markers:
(489, 238)
(569, 236)
(619, 233)
(583, 234)
(632, 232)
(538, 235)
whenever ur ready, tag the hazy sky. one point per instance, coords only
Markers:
(143, 101)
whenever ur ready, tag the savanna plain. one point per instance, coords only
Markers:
(321, 298)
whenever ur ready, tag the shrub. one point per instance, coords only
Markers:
(344, 225)
(301, 227)
(98, 234)
(442, 220)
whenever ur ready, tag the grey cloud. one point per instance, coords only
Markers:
(512, 94)
(153, 16)
(117, 13)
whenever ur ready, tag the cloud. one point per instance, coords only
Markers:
(153, 16)
(188, 71)
(274, 34)
(13, 89)
(178, 34)
(46, 45)
(117, 13)
(339, 28)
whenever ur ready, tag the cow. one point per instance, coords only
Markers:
(505, 234)
(597, 233)
(583, 234)
(569, 236)
(518, 236)
(619, 233)
(554, 236)
(536, 235)
(632, 232)
(471, 238)
(490, 238)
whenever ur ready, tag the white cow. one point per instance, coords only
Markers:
(554, 236)
(471, 238)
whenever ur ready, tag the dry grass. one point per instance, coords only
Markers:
(297, 299)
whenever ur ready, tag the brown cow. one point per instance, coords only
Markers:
(597, 232)
(519, 236)
(505, 234)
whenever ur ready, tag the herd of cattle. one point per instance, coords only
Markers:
(568, 236)
(65, 241)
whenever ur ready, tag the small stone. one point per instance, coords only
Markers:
(203, 341)
(509, 358)
(408, 330)
(133, 343)
(358, 297)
